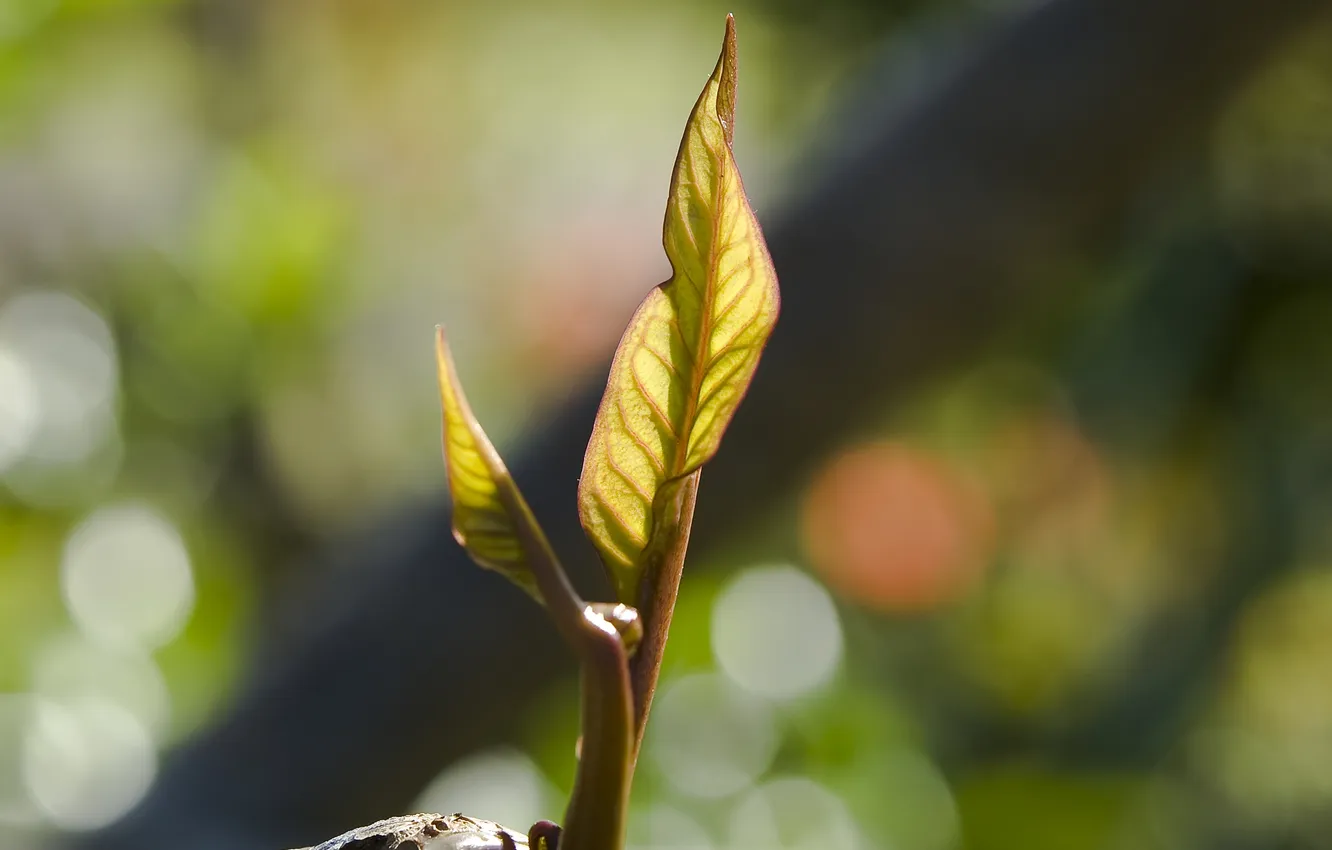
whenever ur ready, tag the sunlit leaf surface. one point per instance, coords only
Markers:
(690, 351)
(486, 502)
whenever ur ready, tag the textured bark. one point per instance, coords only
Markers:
(428, 832)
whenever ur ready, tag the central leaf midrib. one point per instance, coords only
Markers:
(700, 357)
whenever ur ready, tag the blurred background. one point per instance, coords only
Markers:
(1023, 540)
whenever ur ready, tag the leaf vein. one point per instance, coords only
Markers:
(652, 403)
(608, 507)
(674, 321)
(722, 382)
(627, 478)
(661, 358)
(730, 305)
(724, 350)
(636, 438)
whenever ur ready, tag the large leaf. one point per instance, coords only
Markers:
(689, 352)
(487, 507)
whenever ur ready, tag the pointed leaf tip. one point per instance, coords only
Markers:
(486, 503)
(690, 350)
(727, 81)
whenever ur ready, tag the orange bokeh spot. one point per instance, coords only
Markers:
(896, 528)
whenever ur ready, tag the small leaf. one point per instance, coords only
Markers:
(689, 352)
(486, 503)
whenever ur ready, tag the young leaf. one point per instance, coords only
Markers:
(689, 352)
(487, 506)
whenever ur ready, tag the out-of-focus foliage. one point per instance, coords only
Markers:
(1075, 596)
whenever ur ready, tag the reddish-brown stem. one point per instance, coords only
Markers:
(656, 604)
(595, 818)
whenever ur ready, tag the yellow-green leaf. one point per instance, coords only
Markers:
(487, 506)
(690, 351)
